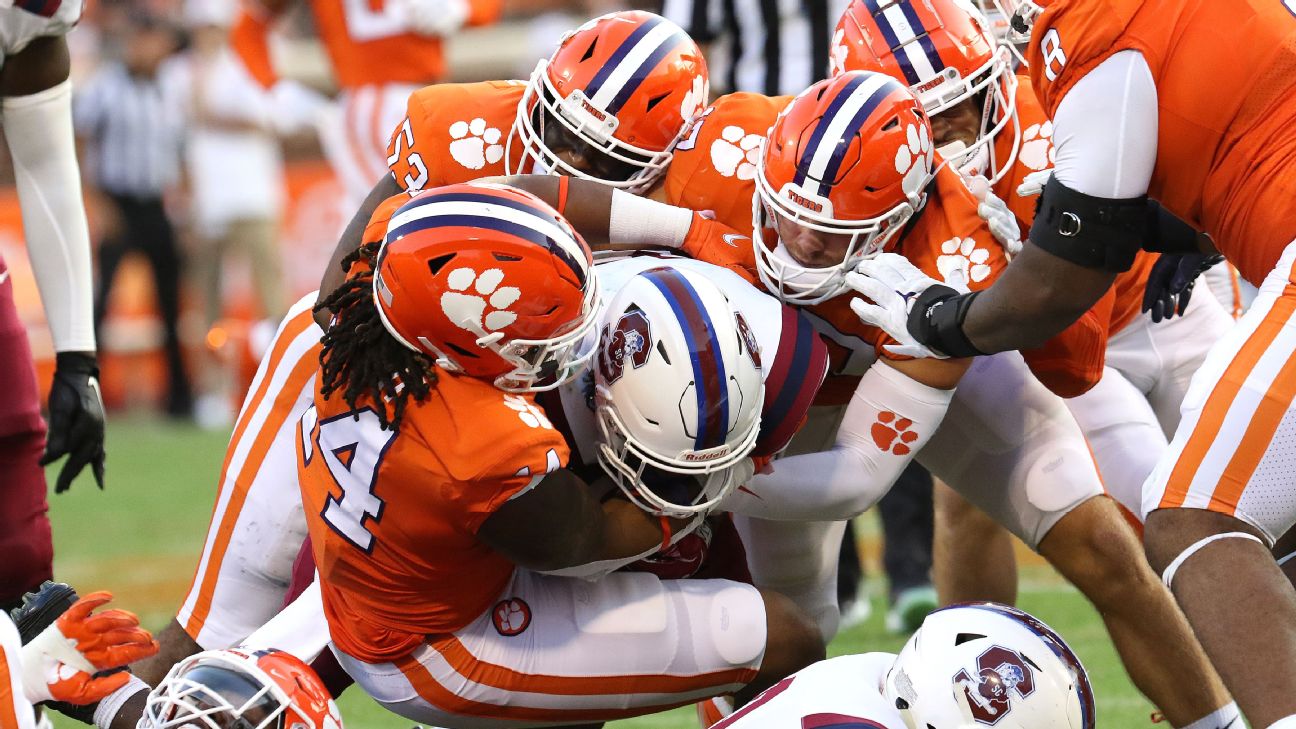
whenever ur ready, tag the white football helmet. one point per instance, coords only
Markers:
(241, 689)
(678, 389)
(976, 665)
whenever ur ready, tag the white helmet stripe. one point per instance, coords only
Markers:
(837, 126)
(905, 34)
(536, 223)
(631, 62)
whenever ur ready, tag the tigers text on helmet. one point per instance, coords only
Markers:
(978, 665)
(491, 282)
(620, 92)
(241, 689)
(849, 158)
(945, 52)
(678, 391)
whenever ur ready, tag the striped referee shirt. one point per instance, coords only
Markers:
(135, 130)
(772, 47)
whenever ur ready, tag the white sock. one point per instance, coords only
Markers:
(111, 704)
(1287, 722)
(1221, 718)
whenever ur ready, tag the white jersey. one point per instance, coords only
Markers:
(19, 27)
(842, 693)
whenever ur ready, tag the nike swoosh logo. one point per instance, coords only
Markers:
(733, 238)
(4, 276)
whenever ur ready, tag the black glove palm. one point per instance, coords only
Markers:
(1170, 285)
(76, 419)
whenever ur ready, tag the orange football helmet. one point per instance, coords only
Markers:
(945, 52)
(240, 689)
(621, 91)
(851, 155)
(491, 282)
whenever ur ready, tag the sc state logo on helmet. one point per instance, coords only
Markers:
(631, 339)
(1000, 673)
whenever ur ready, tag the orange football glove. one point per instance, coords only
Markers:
(109, 639)
(62, 662)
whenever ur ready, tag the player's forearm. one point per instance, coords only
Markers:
(628, 531)
(890, 418)
(38, 129)
(352, 237)
(1037, 297)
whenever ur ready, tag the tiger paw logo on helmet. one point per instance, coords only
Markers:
(914, 159)
(962, 254)
(1037, 150)
(736, 152)
(465, 307)
(474, 145)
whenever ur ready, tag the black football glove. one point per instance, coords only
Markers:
(1170, 285)
(76, 418)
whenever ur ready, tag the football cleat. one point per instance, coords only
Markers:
(41, 608)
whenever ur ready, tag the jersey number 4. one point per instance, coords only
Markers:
(352, 445)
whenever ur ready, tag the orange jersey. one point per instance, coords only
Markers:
(715, 167)
(454, 133)
(1034, 153)
(367, 42)
(1223, 73)
(393, 516)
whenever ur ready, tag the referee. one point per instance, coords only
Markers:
(132, 131)
(772, 47)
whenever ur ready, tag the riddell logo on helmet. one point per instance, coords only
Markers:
(804, 202)
(703, 457)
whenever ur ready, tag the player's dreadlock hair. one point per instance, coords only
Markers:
(360, 357)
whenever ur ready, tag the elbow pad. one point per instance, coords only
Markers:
(1089, 231)
(1166, 233)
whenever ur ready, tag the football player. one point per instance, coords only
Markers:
(436, 491)
(609, 105)
(257, 528)
(993, 123)
(35, 97)
(380, 53)
(967, 665)
(1002, 426)
(1184, 102)
(241, 688)
(59, 657)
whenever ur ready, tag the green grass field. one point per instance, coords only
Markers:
(141, 538)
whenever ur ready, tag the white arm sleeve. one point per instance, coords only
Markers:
(38, 129)
(1105, 129)
(636, 220)
(841, 483)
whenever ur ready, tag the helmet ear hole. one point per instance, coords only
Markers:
(436, 264)
(661, 349)
(505, 258)
(962, 638)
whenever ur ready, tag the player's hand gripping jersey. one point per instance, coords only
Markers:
(1222, 71)
(715, 167)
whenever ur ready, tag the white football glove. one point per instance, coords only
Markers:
(435, 17)
(1033, 184)
(1001, 221)
(894, 284)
